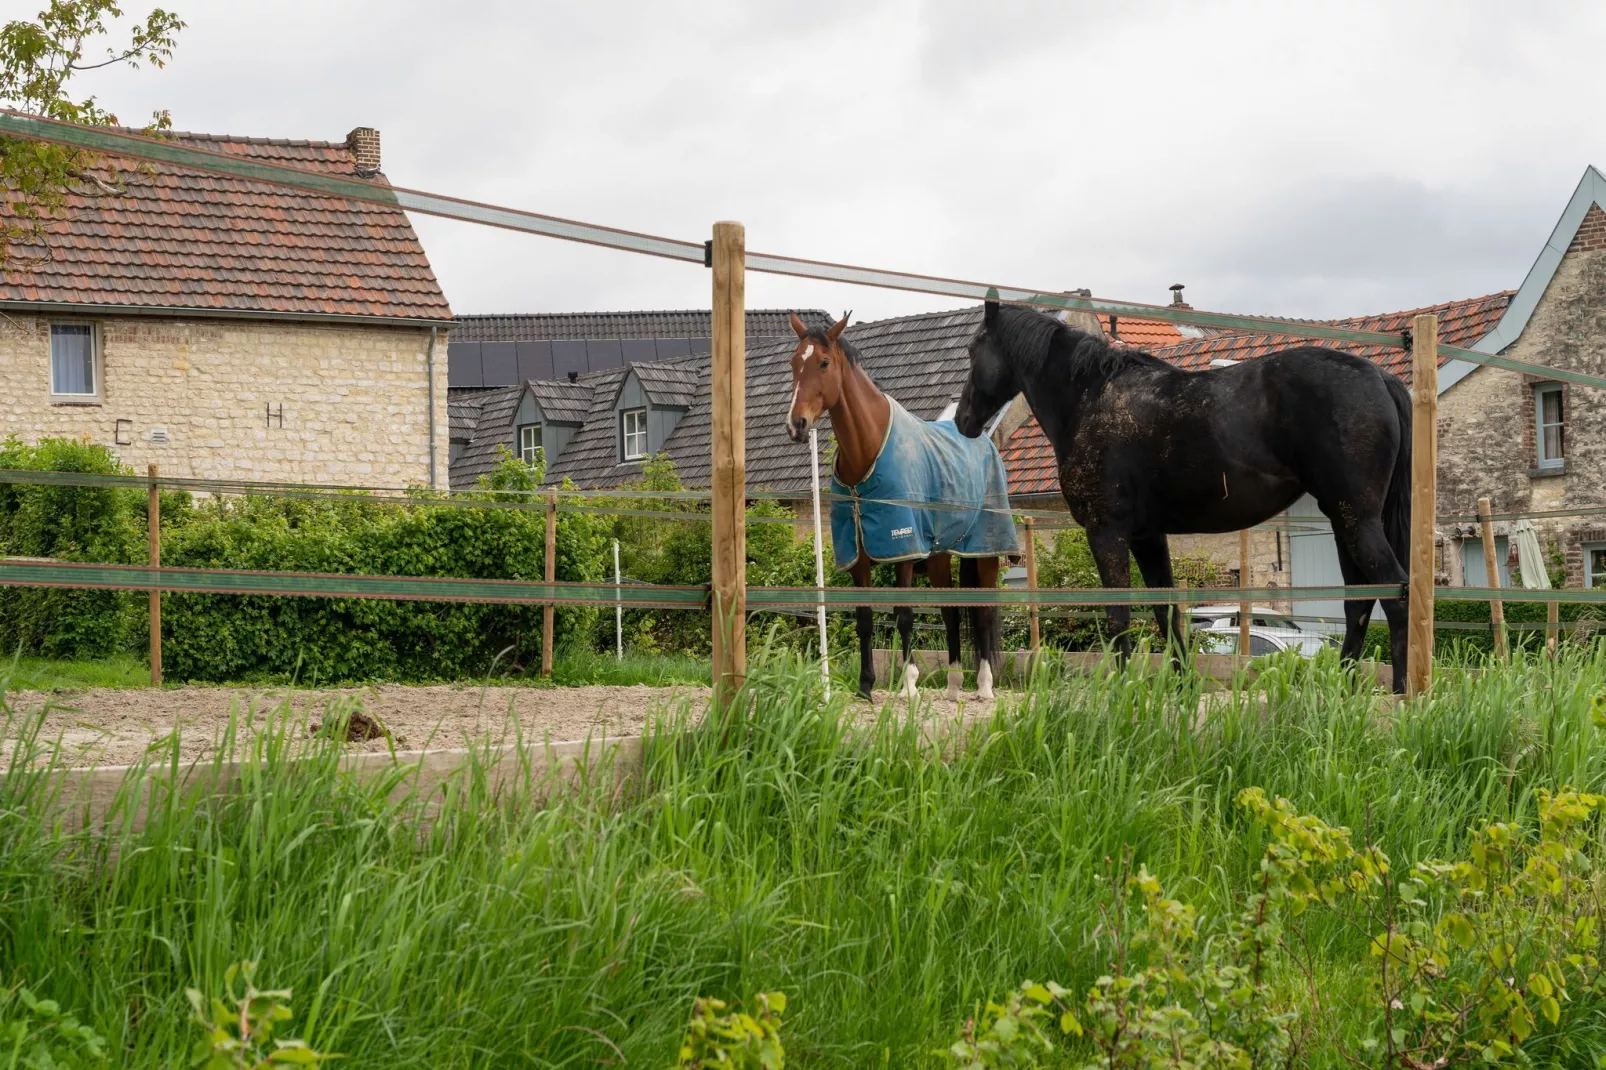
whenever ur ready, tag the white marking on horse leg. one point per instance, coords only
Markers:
(956, 680)
(910, 676)
(984, 681)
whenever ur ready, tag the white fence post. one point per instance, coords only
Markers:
(819, 558)
(618, 607)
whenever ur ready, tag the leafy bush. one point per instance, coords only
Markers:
(35, 1034)
(231, 637)
(99, 524)
(736, 1039)
(239, 1029)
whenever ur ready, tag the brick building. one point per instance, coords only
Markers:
(228, 329)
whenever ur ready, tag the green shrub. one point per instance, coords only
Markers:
(737, 1039)
(99, 524)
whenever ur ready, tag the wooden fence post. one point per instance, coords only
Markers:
(153, 524)
(1552, 626)
(1031, 582)
(1424, 500)
(1491, 572)
(728, 378)
(1245, 610)
(548, 611)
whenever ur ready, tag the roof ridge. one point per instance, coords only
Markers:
(239, 139)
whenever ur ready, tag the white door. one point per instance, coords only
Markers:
(1313, 562)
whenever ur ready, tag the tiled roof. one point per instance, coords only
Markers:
(562, 401)
(920, 360)
(463, 412)
(672, 384)
(190, 240)
(678, 323)
(1029, 458)
(1144, 333)
(592, 457)
(493, 429)
(1461, 323)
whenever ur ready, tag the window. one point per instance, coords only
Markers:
(529, 443)
(72, 361)
(633, 434)
(1260, 646)
(1550, 425)
(1595, 564)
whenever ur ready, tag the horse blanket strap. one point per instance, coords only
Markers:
(924, 462)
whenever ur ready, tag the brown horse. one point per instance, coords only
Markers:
(828, 377)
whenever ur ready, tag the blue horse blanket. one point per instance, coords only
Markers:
(923, 462)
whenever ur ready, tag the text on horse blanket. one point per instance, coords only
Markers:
(922, 464)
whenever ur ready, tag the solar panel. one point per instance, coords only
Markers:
(639, 349)
(603, 354)
(673, 347)
(568, 356)
(701, 345)
(463, 364)
(535, 360)
(501, 363)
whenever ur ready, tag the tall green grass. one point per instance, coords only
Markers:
(883, 878)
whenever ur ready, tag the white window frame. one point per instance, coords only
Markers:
(1540, 391)
(626, 434)
(528, 451)
(96, 368)
(1591, 577)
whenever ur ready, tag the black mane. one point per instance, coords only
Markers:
(1028, 336)
(849, 350)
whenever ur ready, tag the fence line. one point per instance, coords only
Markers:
(135, 146)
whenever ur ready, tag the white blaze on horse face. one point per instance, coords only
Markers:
(791, 412)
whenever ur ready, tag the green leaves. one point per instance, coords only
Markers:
(741, 1040)
(37, 61)
(1015, 1033)
(35, 1034)
(239, 1030)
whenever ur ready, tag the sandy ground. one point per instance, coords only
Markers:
(105, 726)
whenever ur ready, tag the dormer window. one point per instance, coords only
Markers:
(530, 443)
(633, 434)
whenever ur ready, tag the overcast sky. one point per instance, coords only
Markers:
(1318, 159)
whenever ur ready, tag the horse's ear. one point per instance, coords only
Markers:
(838, 327)
(798, 326)
(989, 315)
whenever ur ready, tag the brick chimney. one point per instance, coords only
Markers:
(1176, 293)
(363, 144)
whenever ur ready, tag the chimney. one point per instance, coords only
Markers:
(1176, 296)
(363, 144)
(574, 377)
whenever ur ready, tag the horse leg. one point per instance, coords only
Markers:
(1111, 553)
(1369, 551)
(866, 623)
(986, 628)
(939, 570)
(1153, 555)
(906, 626)
(1357, 612)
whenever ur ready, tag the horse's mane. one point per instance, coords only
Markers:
(849, 350)
(1028, 336)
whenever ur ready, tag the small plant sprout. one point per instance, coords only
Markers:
(240, 1028)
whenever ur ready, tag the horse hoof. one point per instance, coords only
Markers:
(956, 680)
(984, 681)
(911, 677)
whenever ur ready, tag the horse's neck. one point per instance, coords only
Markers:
(1060, 395)
(859, 421)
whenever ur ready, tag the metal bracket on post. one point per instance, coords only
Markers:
(708, 253)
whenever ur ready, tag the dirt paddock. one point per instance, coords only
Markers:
(106, 726)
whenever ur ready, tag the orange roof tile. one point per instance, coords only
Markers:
(190, 240)
(1144, 333)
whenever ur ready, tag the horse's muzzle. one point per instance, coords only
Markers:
(797, 428)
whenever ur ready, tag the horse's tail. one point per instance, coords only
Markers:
(1397, 502)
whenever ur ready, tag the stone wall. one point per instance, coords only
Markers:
(1487, 441)
(241, 399)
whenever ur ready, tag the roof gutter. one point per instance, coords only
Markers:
(177, 311)
(429, 365)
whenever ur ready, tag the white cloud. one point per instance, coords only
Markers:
(1312, 160)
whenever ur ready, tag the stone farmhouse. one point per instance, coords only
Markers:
(225, 329)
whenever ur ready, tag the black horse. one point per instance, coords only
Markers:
(1145, 450)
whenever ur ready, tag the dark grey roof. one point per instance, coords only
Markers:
(562, 401)
(681, 323)
(463, 412)
(920, 360)
(671, 383)
(592, 457)
(494, 428)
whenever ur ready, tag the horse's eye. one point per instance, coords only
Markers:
(824, 364)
